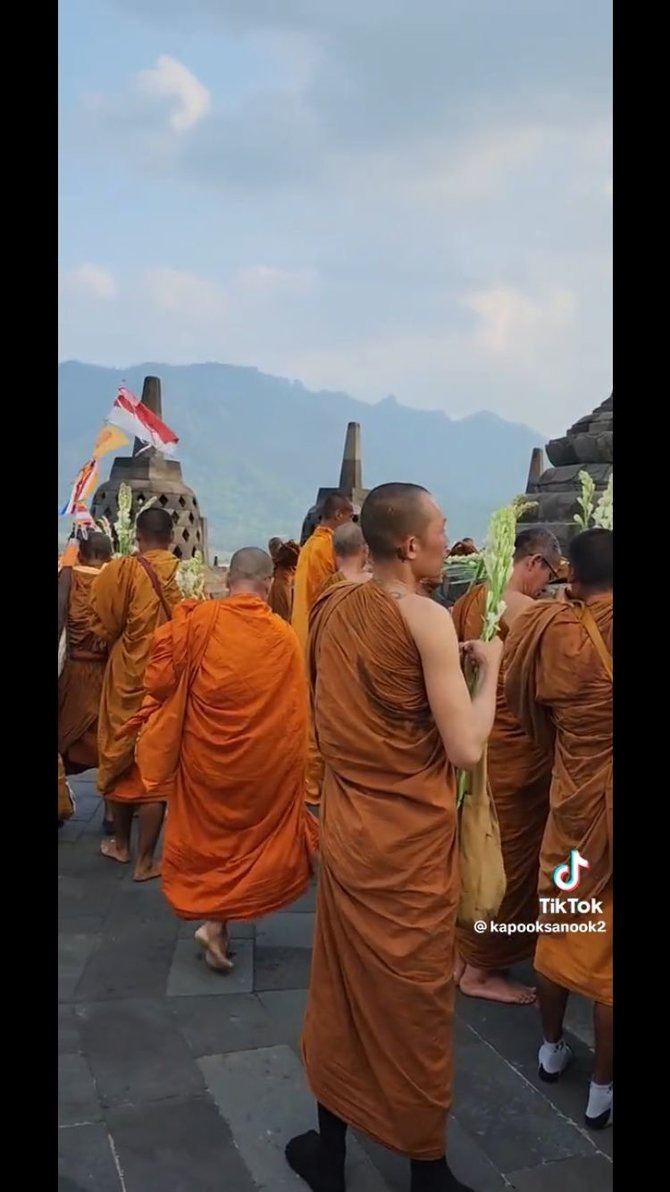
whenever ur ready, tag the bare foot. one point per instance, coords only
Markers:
(495, 987)
(111, 850)
(214, 944)
(146, 873)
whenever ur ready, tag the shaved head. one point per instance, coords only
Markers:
(348, 541)
(154, 529)
(96, 547)
(336, 509)
(591, 556)
(250, 571)
(391, 514)
(274, 546)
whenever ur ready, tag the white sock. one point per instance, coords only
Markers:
(554, 1057)
(600, 1100)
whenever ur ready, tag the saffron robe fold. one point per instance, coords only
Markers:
(558, 686)
(80, 684)
(126, 611)
(519, 774)
(315, 566)
(225, 741)
(377, 1042)
(281, 592)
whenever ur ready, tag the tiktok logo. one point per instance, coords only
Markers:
(567, 877)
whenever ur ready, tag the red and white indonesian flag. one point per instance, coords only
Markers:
(130, 415)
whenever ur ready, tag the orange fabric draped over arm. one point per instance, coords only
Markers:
(558, 687)
(315, 565)
(80, 684)
(126, 611)
(229, 736)
(519, 775)
(377, 1042)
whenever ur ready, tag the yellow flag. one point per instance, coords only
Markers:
(108, 440)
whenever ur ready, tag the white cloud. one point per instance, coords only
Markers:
(186, 295)
(170, 79)
(515, 328)
(265, 281)
(377, 206)
(92, 282)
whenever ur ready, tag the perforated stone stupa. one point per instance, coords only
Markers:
(588, 446)
(351, 481)
(148, 474)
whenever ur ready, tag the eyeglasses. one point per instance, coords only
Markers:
(552, 570)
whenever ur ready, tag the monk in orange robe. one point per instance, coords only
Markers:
(80, 682)
(519, 774)
(558, 682)
(130, 599)
(351, 556)
(226, 736)
(285, 560)
(316, 565)
(393, 716)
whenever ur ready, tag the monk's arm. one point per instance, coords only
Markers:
(109, 600)
(160, 679)
(321, 567)
(463, 722)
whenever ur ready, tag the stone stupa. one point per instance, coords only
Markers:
(351, 482)
(149, 474)
(588, 446)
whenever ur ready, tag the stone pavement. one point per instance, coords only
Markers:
(175, 1079)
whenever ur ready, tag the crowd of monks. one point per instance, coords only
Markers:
(317, 717)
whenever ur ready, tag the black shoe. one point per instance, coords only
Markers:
(303, 1155)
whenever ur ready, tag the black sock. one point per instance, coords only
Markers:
(319, 1158)
(434, 1175)
(333, 1135)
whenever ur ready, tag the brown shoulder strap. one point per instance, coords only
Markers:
(155, 583)
(596, 636)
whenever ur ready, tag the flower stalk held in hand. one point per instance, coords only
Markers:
(498, 555)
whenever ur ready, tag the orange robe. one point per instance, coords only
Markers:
(336, 578)
(281, 592)
(80, 684)
(561, 690)
(315, 566)
(126, 612)
(227, 741)
(519, 775)
(377, 1042)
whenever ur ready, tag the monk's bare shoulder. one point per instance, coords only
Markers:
(426, 619)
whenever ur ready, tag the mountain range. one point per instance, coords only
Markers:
(256, 448)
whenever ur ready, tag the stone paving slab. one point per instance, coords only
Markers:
(177, 1079)
(86, 1161)
(262, 1094)
(177, 1146)
(190, 976)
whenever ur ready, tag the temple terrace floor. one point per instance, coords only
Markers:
(175, 1079)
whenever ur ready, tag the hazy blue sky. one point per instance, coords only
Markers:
(383, 196)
